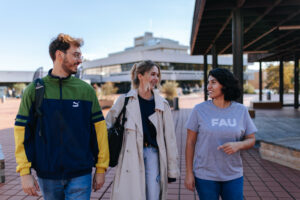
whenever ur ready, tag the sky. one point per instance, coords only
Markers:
(27, 27)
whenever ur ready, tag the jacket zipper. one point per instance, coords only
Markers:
(60, 127)
(60, 90)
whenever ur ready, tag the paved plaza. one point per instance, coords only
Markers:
(263, 179)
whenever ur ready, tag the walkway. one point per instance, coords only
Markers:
(263, 179)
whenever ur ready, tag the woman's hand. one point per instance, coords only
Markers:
(189, 156)
(189, 181)
(230, 147)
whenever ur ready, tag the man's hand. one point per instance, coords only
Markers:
(230, 147)
(30, 185)
(189, 181)
(98, 181)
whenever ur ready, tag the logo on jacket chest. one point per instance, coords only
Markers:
(75, 104)
(223, 122)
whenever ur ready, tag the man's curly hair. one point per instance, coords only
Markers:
(63, 42)
(231, 87)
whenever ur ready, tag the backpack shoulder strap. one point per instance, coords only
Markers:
(39, 96)
(124, 111)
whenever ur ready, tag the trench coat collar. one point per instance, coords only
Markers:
(159, 101)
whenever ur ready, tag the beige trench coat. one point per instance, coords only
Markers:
(129, 180)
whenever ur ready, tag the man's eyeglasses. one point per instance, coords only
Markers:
(77, 56)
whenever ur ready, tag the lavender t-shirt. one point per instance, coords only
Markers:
(216, 126)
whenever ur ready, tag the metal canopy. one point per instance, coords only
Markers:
(271, 28)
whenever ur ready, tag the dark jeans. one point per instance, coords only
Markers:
(212, 190)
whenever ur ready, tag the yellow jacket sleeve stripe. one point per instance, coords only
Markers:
(23, 164)
(102, 139)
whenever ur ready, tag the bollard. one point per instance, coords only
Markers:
(268, 95)
(3, 99)
(176, 103)
(2, 166)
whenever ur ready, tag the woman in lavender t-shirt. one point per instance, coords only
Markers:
(216, 132)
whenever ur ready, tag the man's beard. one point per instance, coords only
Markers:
(67, 69)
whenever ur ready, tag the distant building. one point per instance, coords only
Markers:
(16, 76)
(255, 80)
(175, 62)
(11, 77)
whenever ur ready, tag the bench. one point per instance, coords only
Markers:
(251, 112)
(2, 175)
(2, 166)
(266, 105)
(280, 154)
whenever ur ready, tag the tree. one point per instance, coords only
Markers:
(272, 81)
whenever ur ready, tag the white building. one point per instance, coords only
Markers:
(7, 77)
(176, 63)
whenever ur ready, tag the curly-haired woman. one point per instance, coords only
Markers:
(217, 130)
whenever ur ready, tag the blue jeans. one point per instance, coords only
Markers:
(228, 190)
(152, 175)
(78, 188)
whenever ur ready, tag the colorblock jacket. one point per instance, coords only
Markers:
(73, 137)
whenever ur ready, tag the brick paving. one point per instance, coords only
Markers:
(262, 179)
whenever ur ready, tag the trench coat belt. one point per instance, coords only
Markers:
(147, 144)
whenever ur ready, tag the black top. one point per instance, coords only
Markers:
(147, 108)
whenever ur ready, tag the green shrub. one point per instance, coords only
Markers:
(169, 88)
(19, 87)
(249, 89)
(107, 89)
